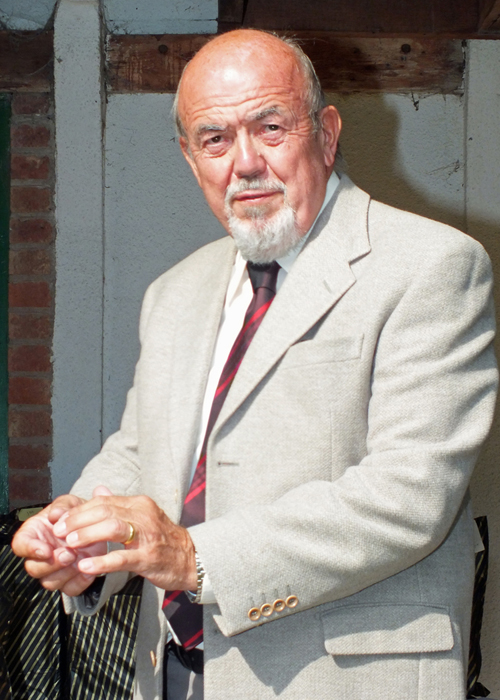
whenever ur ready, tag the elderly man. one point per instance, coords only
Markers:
(333, 425)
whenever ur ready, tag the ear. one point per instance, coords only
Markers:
(331, 125)
(186, 152)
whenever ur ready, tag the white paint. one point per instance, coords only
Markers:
(161, 16)
(25, 15)
(155, 216)
(76, 402)
(483, 222)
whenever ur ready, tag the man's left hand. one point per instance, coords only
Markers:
(160, 551)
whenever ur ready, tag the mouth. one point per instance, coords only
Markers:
(255, 196)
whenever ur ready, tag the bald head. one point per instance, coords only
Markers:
(244, 46)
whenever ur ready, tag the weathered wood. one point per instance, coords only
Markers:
(344, 64)
(489, 19)
(232, 11)
(400, 18)
(26, 61)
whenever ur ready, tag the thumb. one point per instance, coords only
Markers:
(101, 491)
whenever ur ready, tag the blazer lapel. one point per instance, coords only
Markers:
(320, 276)
(193, 350)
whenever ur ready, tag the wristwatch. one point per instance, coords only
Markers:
(200, 575)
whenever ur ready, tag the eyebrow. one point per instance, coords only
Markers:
(204, 128)
(265, 113)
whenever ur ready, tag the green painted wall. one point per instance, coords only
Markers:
(4, 280)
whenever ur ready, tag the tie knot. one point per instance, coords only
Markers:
(265, 275)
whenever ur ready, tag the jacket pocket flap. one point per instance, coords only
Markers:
(387, 629)
(308, 352)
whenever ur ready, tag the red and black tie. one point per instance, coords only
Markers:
(185, 618)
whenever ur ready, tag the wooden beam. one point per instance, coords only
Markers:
(489, 20)
(451, 17)
(344, 64)
(26, 61)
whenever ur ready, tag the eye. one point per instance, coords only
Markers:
(272, 127)
(215, 139)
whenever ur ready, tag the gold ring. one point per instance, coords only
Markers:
(131, 534)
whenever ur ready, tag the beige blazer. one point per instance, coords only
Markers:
(338, 469)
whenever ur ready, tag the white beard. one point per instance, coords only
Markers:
(260, 239)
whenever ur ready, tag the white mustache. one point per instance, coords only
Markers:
(254, 184)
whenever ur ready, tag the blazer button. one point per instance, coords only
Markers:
(266, 609)
(292, 601)
(279, 605)
(153, 658)
(254, 614)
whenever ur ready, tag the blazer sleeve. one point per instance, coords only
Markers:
(432, 398)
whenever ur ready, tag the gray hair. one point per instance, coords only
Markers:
(315, 97)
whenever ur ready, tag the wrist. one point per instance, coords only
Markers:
(195, 593)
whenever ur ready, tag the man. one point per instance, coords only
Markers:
(336, 558)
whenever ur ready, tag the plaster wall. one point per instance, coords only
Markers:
(155, 216)
(161, 16)
(77, 347)
(26, 15)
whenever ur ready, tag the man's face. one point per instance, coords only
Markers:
(250, 140)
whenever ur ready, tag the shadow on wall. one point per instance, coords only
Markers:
(406, 151)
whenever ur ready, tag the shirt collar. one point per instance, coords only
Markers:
(287, 260)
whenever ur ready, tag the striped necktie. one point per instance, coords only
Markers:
(185, 618)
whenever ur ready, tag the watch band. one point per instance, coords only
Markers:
(200, 575)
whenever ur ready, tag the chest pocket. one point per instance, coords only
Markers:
(310, 352)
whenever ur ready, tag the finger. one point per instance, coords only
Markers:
(101, 491)
(62, 505)
(27, 544)
(77, 585)
(118, 560)
(59, 580)
(111, 530)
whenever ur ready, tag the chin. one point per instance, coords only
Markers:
(262, 240)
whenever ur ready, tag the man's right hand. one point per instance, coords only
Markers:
(48, 558)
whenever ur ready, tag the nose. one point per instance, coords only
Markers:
(248, 162)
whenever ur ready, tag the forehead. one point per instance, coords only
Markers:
(239, 85)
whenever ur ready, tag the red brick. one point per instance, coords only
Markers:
(29, 358)
(35, 391)
(30, 327)
(31, 294)
(28, 200)
(32, 487)
(29, 262)
(26, 103)
(31, 231)
(28, 136)
(29, 456)
(29, 423)
(29, 167)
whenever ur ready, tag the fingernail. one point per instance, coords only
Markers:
(86, 565)
(59, 528)
(72, 538)
(39, 553)
(66, 558)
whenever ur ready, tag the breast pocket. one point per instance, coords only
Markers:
(311, 352)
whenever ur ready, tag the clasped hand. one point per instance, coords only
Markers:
(65, 545)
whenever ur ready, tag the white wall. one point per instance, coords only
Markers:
(26, 15)
(155, 216)
(161, 16)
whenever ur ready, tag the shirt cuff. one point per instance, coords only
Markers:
(207, 592)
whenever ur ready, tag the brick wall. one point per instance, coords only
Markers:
(31, 298)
